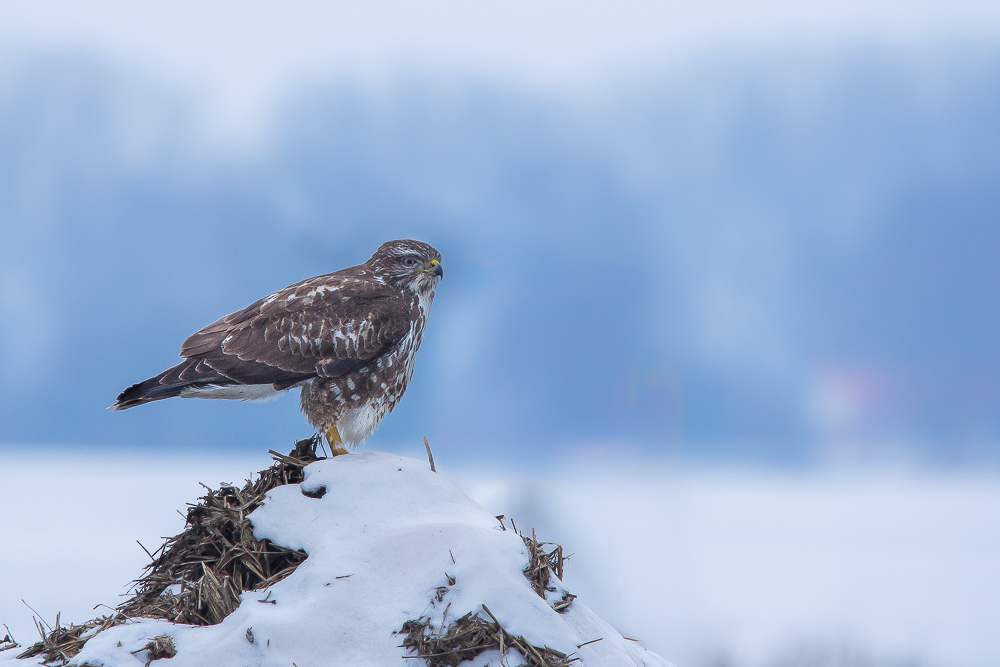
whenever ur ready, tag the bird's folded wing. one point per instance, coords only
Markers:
(310, 329)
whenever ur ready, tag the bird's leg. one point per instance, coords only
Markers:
(336, 444)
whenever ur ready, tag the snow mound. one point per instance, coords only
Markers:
(388, 541)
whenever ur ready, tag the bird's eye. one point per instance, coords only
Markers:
(409, 261)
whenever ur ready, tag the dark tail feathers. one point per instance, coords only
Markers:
(170, 383)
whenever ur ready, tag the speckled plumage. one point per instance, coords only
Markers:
(348, 338)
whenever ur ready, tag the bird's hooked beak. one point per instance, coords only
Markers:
(436, 269)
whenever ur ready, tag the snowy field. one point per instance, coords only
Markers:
(708, 568)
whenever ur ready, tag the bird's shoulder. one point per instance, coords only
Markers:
(344, 295)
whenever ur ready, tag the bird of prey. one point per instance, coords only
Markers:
(348, 339)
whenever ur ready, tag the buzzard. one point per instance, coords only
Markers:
(348, 339)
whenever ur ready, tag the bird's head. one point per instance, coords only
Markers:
(408, 264)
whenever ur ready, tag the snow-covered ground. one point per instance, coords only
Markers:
(757, 568)
(389, 541)
(738, 568)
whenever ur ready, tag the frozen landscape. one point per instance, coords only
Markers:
(720, 315)
(389, 543)
(706, 567)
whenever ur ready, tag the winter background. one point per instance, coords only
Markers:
(720, 311)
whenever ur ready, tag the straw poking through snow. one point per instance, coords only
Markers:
(196, 577)
(468, 637)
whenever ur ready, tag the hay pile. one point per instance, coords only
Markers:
(471, 635)
(61, 643)
(196, 577)
(542, 565)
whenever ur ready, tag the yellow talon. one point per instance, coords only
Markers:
(336, 444)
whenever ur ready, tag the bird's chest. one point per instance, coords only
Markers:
(392, 372)
(382, 382)
(371, 393)
(356, 403)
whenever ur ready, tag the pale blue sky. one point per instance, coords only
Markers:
(743, 231)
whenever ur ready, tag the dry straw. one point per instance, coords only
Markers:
(473, 634)
(196, 577)
(158, 648)
(542, 565)
(7, 642)
(468, 637)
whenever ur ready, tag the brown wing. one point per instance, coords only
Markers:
(328, 326)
